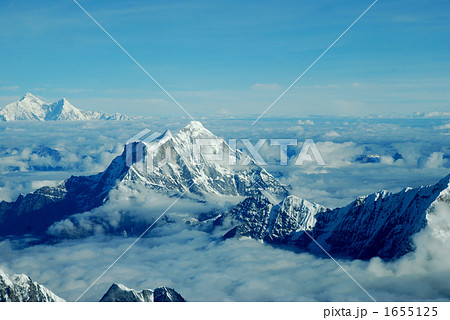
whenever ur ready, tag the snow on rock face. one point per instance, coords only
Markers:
(20, 288)
(31, 108)
(63, 110)
(381, 224)
(439, 224)
(35, 212)
(120, 293)
(198, 172)
(258, 217)
(27, 108)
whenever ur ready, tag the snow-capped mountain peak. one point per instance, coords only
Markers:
(30, 107)
(195, 129)
(195, 125)
(30, 97)
(165, 136)
(20, 288)
(142, 164)
(120, 293)
(27, 108)
(260, 216)
(175, 162)
(63, 110)
(380, 224)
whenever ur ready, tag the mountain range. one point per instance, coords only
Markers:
(381, 224)
(119, 293)
(20, 288)
(35, 212)
(30, 107)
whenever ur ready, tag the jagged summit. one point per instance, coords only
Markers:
(30, 107)
(27, 108)
(381, 224)
(20, 288)
(195, 125)
(120, 293)
(29, 96)
(63, 102)
(63, 110)
(166, 135)
(183, 168)
(165, 164)
(262, 218)
(193, 130)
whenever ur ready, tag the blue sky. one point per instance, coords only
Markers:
(229, 58)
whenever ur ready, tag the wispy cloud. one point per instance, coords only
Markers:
(73, 90)
(9, 88)
(266, 86)
(405, 18)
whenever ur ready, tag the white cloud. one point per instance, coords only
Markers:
(433, 114)
(306, 122)
(338, 154)
(299, 130)
(194, 262)
(331, 134)
(443, 127)
(203, 268)
(435, 160)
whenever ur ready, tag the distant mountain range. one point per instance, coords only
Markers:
(30, 107)
(381, 224)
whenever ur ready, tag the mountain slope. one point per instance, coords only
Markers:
(120, 293)
(63, 110)
(381, 224)
(27, 108)
(20, 288)
(31, 108)
(261, 217)
(201, 174)
(35, 212)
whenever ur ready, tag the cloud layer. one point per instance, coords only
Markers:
(202, 268)
(410, 152)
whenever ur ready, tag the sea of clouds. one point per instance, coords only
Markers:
(192, 259)
(204, 268)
